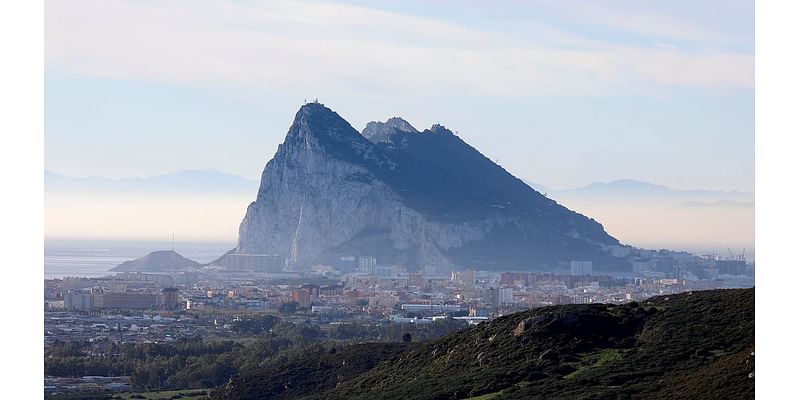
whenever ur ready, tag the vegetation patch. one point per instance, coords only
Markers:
(691, 345)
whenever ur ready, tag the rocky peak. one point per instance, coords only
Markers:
(377, 131)
(318, 127)
(401, 124)
(314, 119)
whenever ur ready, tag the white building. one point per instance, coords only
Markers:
(497, 297)
(366, 264)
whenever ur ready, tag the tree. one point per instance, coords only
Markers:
(288, 308)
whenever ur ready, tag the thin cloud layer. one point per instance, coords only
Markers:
(303, 45)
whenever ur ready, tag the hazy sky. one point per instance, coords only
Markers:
(563, 93)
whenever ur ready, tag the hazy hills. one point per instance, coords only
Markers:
(634, 189)
(193, 181)
(222, 183)
(690, 345)
(179, 182)
(656, 216)
(626, 191)
(195, 205)
(640, 213)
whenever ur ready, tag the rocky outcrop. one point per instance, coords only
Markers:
(403, 196)
(378, 132)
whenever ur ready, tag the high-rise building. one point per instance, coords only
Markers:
(515, 278)
(465, 278)
(366, 264)
(171, 299)
(505, 295)
(732, 267)
(497, 297)
(78, 300)
(127, 300)
(578, 268)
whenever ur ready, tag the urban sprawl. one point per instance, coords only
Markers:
(134, 307)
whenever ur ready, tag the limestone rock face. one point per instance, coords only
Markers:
(381, 131)
(404, 197)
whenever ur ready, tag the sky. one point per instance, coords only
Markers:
(561, 93)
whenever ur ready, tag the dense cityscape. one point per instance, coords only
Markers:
(214, 300)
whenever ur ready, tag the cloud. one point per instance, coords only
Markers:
(701, 22)
(322, 47)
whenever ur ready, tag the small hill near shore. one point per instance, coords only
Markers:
(158, 261)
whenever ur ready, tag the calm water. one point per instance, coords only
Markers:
(92, 259)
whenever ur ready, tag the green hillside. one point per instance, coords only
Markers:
(692, 345)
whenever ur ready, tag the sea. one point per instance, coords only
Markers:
(95, 258)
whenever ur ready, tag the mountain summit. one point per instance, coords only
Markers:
(405, 197)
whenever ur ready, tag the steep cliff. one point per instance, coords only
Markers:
(404, 196)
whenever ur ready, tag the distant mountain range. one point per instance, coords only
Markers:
(210, 180)
(633, 189)
(717, 204)
(638, 189)
(185, 181)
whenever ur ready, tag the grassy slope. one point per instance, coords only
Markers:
(694, 345)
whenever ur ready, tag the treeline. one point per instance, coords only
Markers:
(394, 332)
(196, 364)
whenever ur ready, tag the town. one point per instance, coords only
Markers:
(215, 301)
(361, 289)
